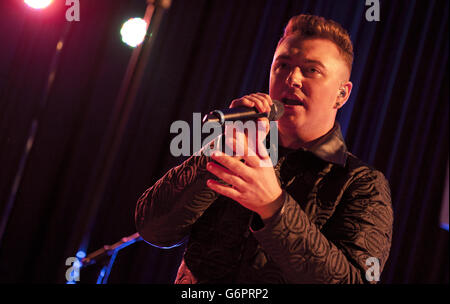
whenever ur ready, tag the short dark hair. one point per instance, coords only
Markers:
(310, 26)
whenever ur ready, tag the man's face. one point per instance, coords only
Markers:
(307, 76)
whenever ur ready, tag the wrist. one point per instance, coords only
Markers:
(267, 211)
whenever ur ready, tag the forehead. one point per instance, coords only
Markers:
(319, 49)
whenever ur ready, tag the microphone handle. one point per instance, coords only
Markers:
(233, 114)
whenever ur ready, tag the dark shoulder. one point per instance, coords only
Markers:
(354, 162)
(356, 166)
(361, 174)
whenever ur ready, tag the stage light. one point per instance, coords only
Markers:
(38, 4)
(133, 31)
(81, 254)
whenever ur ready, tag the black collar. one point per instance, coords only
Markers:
(329, 147)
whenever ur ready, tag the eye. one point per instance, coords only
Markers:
(313, 71)
(282, 65)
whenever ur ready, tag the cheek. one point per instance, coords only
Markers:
(275, 86)
(320, 94)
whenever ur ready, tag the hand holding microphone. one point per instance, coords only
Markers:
(253, 186)
(249, 107)
(257, 106)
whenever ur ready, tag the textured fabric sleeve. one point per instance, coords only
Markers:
(347, 249)
(165, 212)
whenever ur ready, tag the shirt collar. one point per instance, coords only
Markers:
(329, 147)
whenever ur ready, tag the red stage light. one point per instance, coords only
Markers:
(38, 4)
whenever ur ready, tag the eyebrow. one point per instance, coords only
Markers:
(316, 62)
(287, 57)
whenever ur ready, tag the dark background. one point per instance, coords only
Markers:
(205, 54)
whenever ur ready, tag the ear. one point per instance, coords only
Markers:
(343, 94)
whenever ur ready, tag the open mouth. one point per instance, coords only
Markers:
(292, 102)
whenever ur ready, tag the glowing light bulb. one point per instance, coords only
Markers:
(38, 4)
(133, 31)
(81, 254)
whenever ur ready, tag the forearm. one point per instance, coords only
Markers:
(302, 252)
(166, 211)
(306, 255)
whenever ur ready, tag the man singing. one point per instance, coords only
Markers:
(320, 215)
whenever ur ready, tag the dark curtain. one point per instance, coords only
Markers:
(205, 54)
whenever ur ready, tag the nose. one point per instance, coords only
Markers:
(294, 79)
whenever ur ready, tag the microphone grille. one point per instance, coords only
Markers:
(276, 110)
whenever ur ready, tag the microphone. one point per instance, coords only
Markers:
(244, 113)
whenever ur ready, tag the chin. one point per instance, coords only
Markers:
(292, 117)
(291, 122)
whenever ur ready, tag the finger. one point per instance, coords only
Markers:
(232, 164)
(238, 139)
(243, 143)
(256, 139)
(264, 99)
(257, 150)
(252, 159)
(265, 160)
(242, 102)
(263, 129)
(263, 124)
(235, 141)
(251, 101)
(223, 190)
(258, 161)
(224, 174)
(267, 99)
(260, 104)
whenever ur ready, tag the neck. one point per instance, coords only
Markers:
(298, 140)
